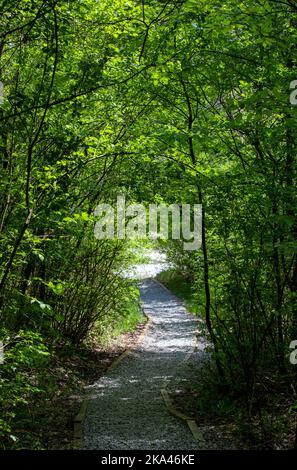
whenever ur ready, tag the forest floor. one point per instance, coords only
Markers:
(47, 423)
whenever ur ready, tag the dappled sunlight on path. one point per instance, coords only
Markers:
(126, 408)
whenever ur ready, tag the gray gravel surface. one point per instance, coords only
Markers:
(126, 409)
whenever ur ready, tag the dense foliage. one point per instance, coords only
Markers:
(174, 101)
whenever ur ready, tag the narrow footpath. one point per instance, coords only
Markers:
(126, 408)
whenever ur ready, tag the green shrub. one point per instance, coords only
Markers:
(24, 353)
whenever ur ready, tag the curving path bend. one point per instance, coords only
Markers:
(126, 409)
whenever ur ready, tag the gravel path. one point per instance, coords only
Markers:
(126, 409)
